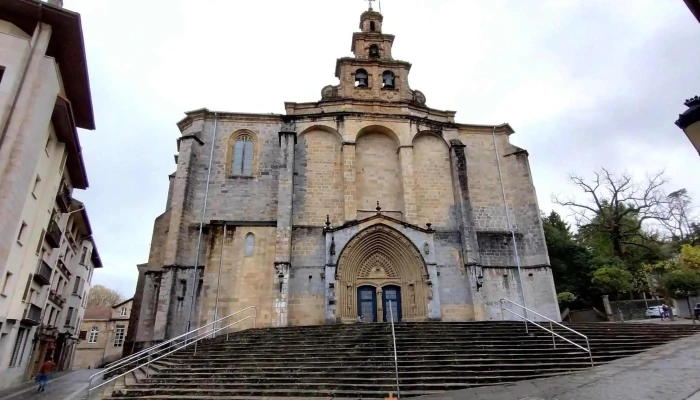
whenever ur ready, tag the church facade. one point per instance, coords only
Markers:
(367, 203)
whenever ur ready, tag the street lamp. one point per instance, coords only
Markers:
(689, 121)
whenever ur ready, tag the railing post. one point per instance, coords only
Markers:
(503, 312)
(590, 354)
(195, 347)
(396, 360)
(148, 363)
(554, 342)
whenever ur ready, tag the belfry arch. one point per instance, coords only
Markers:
(381, 257)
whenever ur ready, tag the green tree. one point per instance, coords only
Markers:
(617, 207)
(681, 283)
(570, 261)
(612, 279)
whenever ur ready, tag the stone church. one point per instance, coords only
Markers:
(344, 207)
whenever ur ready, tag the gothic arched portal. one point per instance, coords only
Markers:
(380, 256)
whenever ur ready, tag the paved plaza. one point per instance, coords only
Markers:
(668, 372)
(70, 385)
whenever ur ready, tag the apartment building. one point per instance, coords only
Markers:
(102, 335)
(47, 252)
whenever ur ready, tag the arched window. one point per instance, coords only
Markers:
(361, 78)
(242, 161)
(388, 80)
(374, 51)
(93, 335)
(249, 245)
(372, 27)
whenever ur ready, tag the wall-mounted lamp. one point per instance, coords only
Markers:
(479, 282)
(280, 279)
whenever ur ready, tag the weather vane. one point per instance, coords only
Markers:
(370, 4)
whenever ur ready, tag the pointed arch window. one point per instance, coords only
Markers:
(242, 155)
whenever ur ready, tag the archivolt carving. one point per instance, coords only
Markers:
(377, 256)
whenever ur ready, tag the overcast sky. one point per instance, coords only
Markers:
(585, 84)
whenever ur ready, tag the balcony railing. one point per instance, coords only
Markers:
(63, 198)
(56, 298)
(43, 273)
(53, 234)
(62, 267)
(32, 315)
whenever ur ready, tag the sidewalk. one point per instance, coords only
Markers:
(65, 385)
(668, 372)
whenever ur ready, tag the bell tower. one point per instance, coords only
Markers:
(373, 73)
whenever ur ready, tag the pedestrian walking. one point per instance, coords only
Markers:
(43, 377)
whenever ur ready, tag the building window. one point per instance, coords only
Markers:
(47, 147)
(93, 335)
(122, 312)
(48, 321)
(82, 335)
(2, 72)
(6, 283)
(361, 78)
(22, 232)
(372, 26)
(69, 316)
(26, 288)
(39, 245)
(388, 80)
(18, 349)
(374, 51)
(119, 336)
(83, 255)
(63, 163)
(37, 180)
(242, 163)
(76, 286)
(249, 245)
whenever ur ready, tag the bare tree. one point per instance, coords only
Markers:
(679, 224)
(617, 206)
(101, 296)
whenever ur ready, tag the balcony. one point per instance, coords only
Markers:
(56, 298)
(43, 273)
(32, 315)
(62, 267)
(64, 198)
(53, 234)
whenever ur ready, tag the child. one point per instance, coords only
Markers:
(43, 376)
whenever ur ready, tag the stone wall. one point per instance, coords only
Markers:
(378, 173)
(433, 182)
(307, 302)
(246, 278)
(318, 178)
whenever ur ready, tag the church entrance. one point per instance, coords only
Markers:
(367, 303)
(391, 300)
(381, 268)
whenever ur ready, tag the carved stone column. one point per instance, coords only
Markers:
(470, 245)
(283, 240)
(349, 185)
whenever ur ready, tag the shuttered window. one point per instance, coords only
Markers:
(242, 163)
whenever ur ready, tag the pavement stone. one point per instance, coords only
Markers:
(668, 372)
(71, 385)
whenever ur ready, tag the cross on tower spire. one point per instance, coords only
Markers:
(370, 4)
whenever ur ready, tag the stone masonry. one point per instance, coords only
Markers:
(338, 205)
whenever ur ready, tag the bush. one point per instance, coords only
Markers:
(566, 297)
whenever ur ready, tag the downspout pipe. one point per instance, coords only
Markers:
(510, 227)
(195, 281)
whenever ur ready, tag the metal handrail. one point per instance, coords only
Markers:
(146, 353)
(201, 336)
(550, 330)
(396, 360)
(114, 365)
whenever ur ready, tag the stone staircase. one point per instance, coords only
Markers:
(357, 361)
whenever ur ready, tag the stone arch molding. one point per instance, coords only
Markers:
(379, 256)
